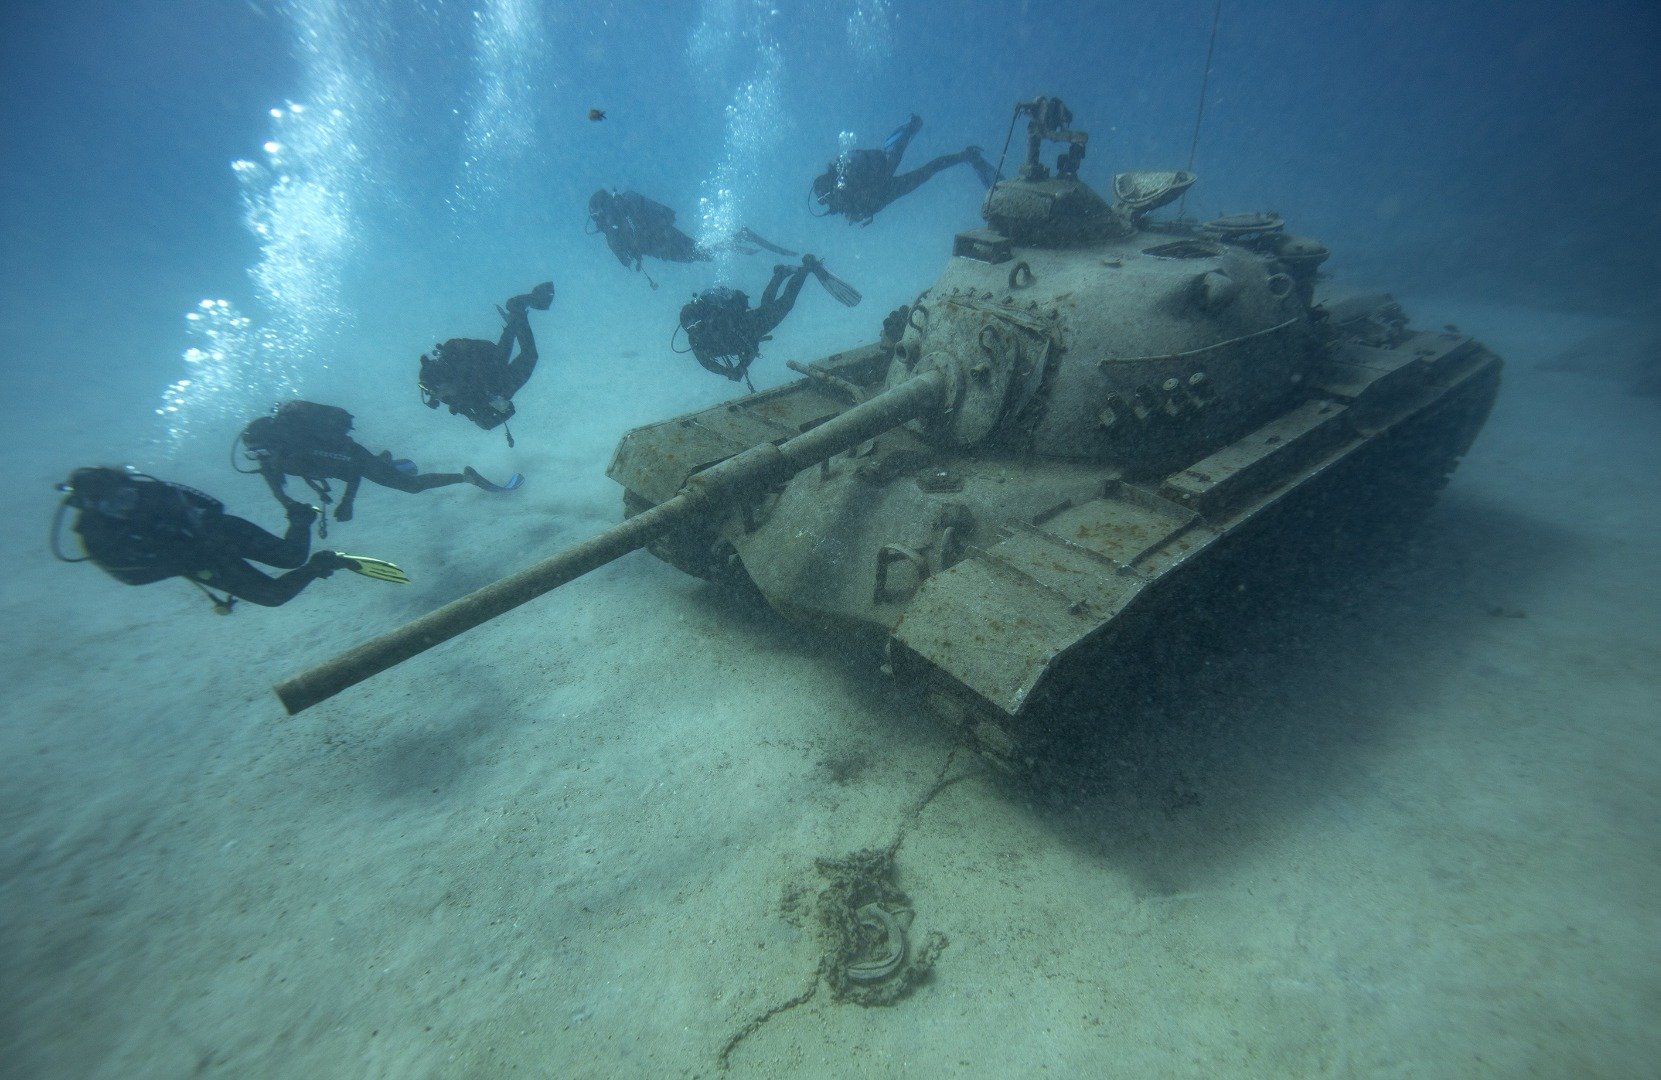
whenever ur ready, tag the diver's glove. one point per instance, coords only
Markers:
(300, 513)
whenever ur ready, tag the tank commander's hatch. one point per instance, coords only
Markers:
(1141, 192)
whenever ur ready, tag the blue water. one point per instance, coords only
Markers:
(1491, 156)
(208, 206)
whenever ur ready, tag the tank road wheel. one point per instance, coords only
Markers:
(1428, 448)
(1401, 477)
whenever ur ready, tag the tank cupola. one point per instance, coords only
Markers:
(1038, 208)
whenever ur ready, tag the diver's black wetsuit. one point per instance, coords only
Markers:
(636, 227)
(862, 182)
(765, 317)
(728, 343)
(215, 553)
(351, 462)
(482, 389)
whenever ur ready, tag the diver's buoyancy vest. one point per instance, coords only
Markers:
(304, 439)
(715, 325)
(139, 529)
(463, 374)
(861, 180)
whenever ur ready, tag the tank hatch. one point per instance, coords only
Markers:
(1039, 209)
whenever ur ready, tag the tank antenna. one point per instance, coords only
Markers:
(1009, 135)
(1205, 81)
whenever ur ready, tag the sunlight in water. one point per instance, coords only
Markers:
(714, 35)
(301, 202)
(754, 117)
(510, 63)
(846, 143)
(871, 30)
(232, 369)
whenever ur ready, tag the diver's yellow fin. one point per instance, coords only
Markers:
(379, 569)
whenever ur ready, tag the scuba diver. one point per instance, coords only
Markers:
(476, 378)
(140, 530)
(862, 182)
(635, 227)
(308, 440)
(725, 333)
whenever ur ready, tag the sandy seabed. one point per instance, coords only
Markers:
(1410, 829)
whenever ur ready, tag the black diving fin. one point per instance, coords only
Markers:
(840, 290)
(512, 483)
(748, 236)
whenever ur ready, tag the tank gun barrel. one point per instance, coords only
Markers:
(751, 472)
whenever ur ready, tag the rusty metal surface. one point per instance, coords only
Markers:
(655, 460)
(995, 626)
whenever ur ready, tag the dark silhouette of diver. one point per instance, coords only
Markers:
(475, 377)
(862, 182)
(311, 441)
(725, 333)
(636, 227)
(141, 530)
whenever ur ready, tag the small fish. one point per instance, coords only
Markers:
(596, 114)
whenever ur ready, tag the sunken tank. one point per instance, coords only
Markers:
(1048, 448)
